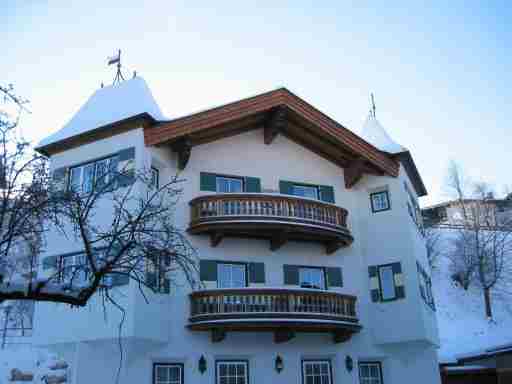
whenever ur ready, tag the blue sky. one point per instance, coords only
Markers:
(440, 73)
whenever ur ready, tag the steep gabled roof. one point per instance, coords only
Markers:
(299, 121)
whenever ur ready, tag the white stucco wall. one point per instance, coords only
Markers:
(400, 334)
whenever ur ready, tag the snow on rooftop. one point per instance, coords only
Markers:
(374, 133)
(109, 105)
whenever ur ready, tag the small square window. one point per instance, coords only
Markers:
(318, 371)
(232, 372)
(229, 184)
(231, 275)
(305, 191)
(168, 374)
(370, 373)
(310, 277)
(380, 201)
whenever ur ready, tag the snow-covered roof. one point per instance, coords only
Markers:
(374, 133)
(109, 105)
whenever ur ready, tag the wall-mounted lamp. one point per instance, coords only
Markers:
(202, 364)
(279, 365)
(349, 363)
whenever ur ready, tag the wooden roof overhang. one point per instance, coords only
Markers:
(278, 112)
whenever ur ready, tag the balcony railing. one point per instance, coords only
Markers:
(279, 217)
(274, 309)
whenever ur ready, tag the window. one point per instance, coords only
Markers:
(84, 178)
(380, 201)
(316, 372)
(370, 373)
(229, 184)
(74, 269)
(425, 287)
(312, 277)
(155, 178)
(231, 275)
(168, 374)
(156, 270)
(305, 191)
(387, 284)
(232, 372)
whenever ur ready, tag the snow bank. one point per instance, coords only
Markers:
(463, 327)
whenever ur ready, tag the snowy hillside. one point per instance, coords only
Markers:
(463, 327)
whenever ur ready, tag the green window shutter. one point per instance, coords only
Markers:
(285, 187)
(252, 184)
(256, 272)
(50, 262)
(326, 193)
(208, 182)
(397, 268)
(208, 270)
(334, 277)
(375, 291)
(118, 280)
(291, 274)
(400, 292)
(125, 178)
(151, 280)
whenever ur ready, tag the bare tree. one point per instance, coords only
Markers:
(481, 245)
(123, 224)
(433, 245)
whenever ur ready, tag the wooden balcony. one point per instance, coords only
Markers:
(279, 310)
(279, 218)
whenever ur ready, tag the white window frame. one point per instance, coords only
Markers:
(380, 270)
(82, 186)
(229, 181)
(229, 363)
(306, 375)
(168, 366)
(309, 271)
(373, 201)
(370, 379)
(230, 281)
(296, 187)
(155, 178)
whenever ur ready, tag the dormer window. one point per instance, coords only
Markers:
(380, 201)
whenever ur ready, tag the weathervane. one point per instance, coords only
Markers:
(116, 59)
(372, 107)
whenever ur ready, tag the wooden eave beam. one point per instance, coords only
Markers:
(354, 172)
(183, 148)
(275, 124)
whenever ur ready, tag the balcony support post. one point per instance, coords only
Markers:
(332, 247)
(217, 335)
(183, 148)
(277, 240)
(274, 125)
(341, 336)
(283, 335)
(215, 238)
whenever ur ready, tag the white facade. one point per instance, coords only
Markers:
(401, 335)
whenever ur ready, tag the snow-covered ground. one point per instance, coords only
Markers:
(29, 360)
(463, 326)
